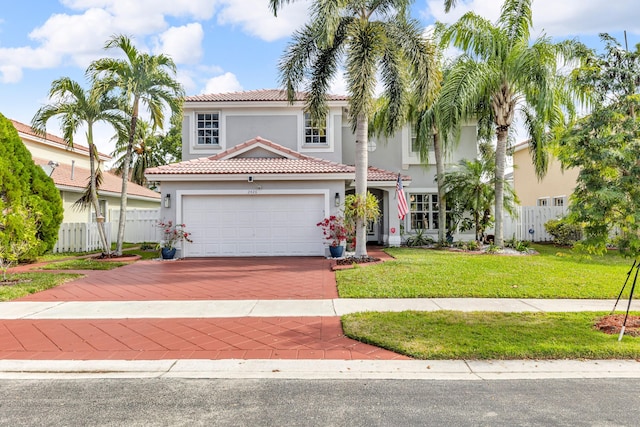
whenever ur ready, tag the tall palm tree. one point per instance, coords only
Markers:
(146, 152)
(79, 107)
(503, 72)
(371, 39)
(140, 78)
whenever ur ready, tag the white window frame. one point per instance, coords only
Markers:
(410, 157)
(561, 199)
(325, 147)
(198, 129)
(432, 213)
(543, 201)
(308, 127)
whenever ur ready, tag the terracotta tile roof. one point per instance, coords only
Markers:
(26, 129)
(112, 183)
(288, 162)
(256, 95)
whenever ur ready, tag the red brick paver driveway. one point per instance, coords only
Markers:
(203, 279)
(275, 337)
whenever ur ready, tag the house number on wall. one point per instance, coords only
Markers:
(252, 192)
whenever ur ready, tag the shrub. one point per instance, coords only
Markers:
(518, 245)
(419, 239)
(564, 233)
(25, 186)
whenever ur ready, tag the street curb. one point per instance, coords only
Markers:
(436, 370)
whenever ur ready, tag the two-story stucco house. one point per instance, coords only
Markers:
(256, 176)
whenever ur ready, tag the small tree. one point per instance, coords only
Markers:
(355, 208)
(26, 188)
(605, 147)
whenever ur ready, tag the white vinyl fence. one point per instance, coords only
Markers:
(140, 227)
(80, 237)
(84, 237)
(529, 222)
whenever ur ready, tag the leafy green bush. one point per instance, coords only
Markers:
(471, 245)
(564, 233)
(518, 245)
(419, 239)
(25, 187)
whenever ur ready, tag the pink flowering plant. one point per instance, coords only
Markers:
(333, 229)
(172, 234)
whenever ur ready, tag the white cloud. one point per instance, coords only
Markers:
(196, 9)
(183, 44)
(10, 74)
(222, 84)
(559, 19)
(255, 18)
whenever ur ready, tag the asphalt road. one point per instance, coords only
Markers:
(263, 402)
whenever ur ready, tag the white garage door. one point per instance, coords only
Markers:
(253, 225)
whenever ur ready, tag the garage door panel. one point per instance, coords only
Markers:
(253, 225)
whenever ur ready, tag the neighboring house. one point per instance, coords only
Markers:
(69, 168)
(552, 190)
(257, 177)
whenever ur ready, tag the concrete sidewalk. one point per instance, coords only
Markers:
(211, 309)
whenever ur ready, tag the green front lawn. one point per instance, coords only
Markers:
(30, 283)
(425, 273)
(490, 335)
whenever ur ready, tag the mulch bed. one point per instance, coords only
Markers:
(13, 282)
(356, 260)
(116, 258)
(613, 323)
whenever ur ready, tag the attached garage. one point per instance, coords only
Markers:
(253, 224)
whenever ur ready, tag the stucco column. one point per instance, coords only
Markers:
(394, 221)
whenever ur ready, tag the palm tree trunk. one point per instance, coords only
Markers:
(93, 188)
(442, 200)
(501, 154)
(125, 178)
(362, 163)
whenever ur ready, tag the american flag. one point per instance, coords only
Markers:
(402, 200)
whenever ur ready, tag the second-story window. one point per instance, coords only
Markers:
(208, 128)
(313, 134)
(415, 147)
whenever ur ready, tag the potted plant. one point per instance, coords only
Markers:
(171, 235)
(335, 231)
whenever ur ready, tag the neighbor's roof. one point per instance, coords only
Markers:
(76, 177)
(28, 130)
(286, 162)
(257, 95)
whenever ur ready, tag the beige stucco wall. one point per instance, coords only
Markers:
(73, 214)
(57, 154)
(529, 189)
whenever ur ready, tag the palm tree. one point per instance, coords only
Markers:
(140, 78)
(78, 107)
(471, 188)
(371, 39)
(502, 72)
(146, 153)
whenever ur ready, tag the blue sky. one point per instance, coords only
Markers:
(219, 45)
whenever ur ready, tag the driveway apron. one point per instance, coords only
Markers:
(276, 337)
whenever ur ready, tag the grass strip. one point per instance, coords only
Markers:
(490, 335)
(82, 264)
(30, 283)
(427, 273)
